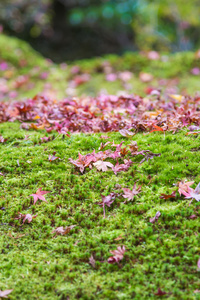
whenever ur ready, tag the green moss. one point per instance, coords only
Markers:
(38, 265)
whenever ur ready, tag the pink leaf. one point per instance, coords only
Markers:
(154, 219)
(39, 195)
(4, 294)
(131, 194)
(198, 264)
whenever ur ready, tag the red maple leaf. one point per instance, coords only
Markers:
(160, 292)
(157, 128)
(39, 195)
(165, 196)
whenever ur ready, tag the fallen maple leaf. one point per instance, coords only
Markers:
(194, 194)
(165, 196)
(25, 217)
(156, 128)
(39, 195)
(102, 165)
(61, 230)
(4, 294)
(118, 255)
(192, 217)
(121, 167)
(53, 157)
(103, 145)
(131, 194)
(147, 155)
(154, 219)
(184, 187)
(160, 292)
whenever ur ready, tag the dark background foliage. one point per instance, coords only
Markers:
(75, 29)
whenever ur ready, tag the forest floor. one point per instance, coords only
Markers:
(64, 206)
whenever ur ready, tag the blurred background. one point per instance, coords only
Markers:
(64, 30)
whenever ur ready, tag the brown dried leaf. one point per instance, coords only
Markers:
(62, 231)
(92, 261)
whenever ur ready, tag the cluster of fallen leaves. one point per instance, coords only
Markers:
(104, 113)
(98, 159)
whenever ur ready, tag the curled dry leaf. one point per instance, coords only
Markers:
(53, 157)
(103, 145)
(26, 217)
(107, 200)
(154, 219)
(192, 217)
(2, 140)
(165, 196)
(92, 261)
(118, 255)
(62, 231)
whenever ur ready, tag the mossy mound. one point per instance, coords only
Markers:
(163, 255)
(169, 72)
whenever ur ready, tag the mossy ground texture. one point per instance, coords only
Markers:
(36, 264)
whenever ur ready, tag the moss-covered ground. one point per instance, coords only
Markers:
(36, 264)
